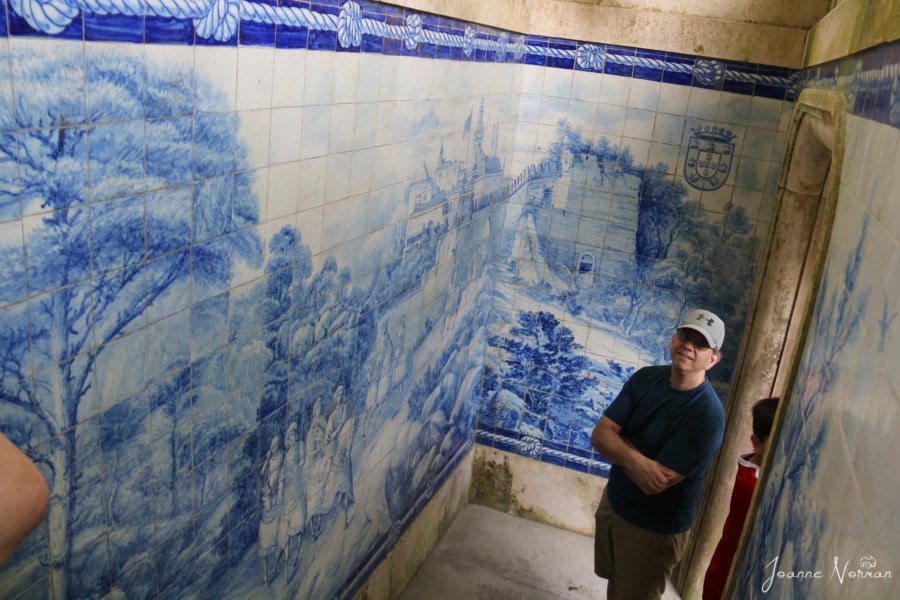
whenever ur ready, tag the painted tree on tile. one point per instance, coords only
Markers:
(99, 273)
(541, 366)
(791, 519)
(702, 258)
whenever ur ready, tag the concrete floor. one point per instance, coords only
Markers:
(490, 555)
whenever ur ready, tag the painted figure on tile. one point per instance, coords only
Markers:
(339, 487)
(379, 371)
(336, 420)
(269, 521)
(318, 467)
(293, 501)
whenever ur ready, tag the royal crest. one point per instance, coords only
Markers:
(709, 157)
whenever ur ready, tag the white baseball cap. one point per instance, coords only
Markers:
(708, 324)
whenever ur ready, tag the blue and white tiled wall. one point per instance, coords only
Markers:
(828, 523)
(634, 201)
(269, 270)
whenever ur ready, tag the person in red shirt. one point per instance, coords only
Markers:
(763, 414)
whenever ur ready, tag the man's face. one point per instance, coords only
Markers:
(691, 352)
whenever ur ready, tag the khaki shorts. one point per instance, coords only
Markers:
(639, 561)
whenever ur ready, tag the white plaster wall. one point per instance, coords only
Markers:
(851, 26)
(538, 491)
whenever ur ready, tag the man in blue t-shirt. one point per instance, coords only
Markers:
(660, 434)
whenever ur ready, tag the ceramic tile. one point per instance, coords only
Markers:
(164, 65)
(752, 173)
(675, 100)
(668, 129)
(703, 103)
(215, 79)
(340, 137)
(255, 70)
(253, 127)
(337, 183)
(552, 110)
(855, 388)
(644, 95)
(12, 290)
(758, 143)
(314, 131)
(285, 135)
(115, 381)
(610, 120)
(411, 82)
(6, 95)
(557, 82)
(369, 83)
(284, 183)
(529, 107)
(585, 86)
(212, 198)
(639, 124)
(765, 112)
(361, 163)
(27, 74)
(615, 91)
(388, 81)
(114, 82)
(734, 109)
(346, 78)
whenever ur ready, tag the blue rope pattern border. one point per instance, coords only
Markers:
(869, 80)
(360, 25)
(541, 450)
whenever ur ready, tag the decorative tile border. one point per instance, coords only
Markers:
(870, 81)
(546, 451)
(362, 26)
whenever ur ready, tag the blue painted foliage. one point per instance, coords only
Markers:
(96, 267)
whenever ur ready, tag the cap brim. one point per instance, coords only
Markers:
(706, 336)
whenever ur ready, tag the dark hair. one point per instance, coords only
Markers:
(763, 417)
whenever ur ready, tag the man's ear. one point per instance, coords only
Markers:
(713, 360)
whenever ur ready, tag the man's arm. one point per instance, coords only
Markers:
(23, 497)
(649, 475)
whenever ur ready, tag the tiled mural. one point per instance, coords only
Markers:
(636, 201)
(600, 256)
(827, 525)
(267, 265)
(215, 407)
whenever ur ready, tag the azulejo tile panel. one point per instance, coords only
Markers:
(825, 527)
(190, 375)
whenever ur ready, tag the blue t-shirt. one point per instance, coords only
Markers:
(680, 430)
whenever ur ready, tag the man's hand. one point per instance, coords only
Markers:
(649, 475)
